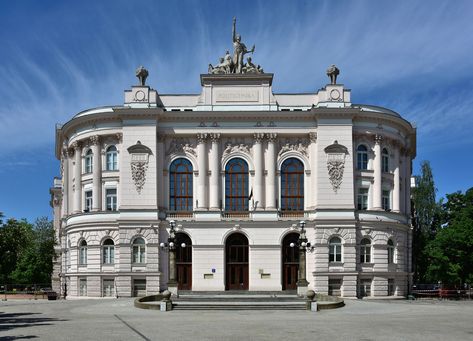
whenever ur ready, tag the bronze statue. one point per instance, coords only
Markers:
(239, 50)
(332, 73)
(142, 74)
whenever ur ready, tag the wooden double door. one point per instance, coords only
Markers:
(290, 262)
(183, 262)
(236, 257)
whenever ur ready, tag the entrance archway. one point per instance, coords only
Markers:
(236, 257)
(290, 262)
(183, 262)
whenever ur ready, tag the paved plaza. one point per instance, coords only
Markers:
(118, 320)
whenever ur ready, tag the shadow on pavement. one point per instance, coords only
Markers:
(9, 321)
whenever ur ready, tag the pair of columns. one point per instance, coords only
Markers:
(214, 171)
(96, 175)
(378, 178)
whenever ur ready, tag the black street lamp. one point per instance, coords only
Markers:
(304, 247)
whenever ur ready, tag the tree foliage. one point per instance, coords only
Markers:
(450, 253)
(27, 251)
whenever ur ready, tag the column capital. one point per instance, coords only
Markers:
(201, 137)
(214, 137)
(258, 137)
(378, 139)
(313, 137)
(94, 140)
(76, 145)
(119, 137)
(271, 137)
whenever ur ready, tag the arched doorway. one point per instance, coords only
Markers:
(236, 256)
(290, 261)
(183, 262)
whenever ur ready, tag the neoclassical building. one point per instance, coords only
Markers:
(235, 171)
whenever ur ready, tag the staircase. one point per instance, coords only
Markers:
(238, 300)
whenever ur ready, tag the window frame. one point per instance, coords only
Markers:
(181, 185)
(237, 185)
(113, 199)
(391, 252)
(362, 157)
(111, 158)
(335, 250)
(88, 200)
(89, 162)
(83, 253)
(365, 251)
(362, 198)
(138, 251)
(386, 199)
(292, 198)
(108, 252)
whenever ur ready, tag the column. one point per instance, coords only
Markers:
(396, 187)
(214, 173)
(77, 177)
(259, 168)
(65, 182)
(313, 190)
(97, 174)
(377, 174)
(271, 175)
(407, 181)
(202, 164)
(162, 189)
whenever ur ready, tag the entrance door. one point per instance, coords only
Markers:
(183, 262)
(290, 262)
(236, 255)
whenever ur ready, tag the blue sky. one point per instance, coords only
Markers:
(60, 57)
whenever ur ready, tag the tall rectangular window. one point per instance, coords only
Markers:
(335, 286)
(364, 288)
(386, 200)
(108, 288)
(111, 198)
(362, 199)
(391, 287)
(82, 286)
(88, 201)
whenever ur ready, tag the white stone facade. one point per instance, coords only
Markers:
(116, 186)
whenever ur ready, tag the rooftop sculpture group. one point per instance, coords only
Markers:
(234, 64)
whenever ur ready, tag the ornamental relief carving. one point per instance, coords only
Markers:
(336, 154)
(181, 145)
(299, 145)
(235, 148)
(139, 164)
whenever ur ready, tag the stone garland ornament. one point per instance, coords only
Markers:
(139, 164)
(336, 154)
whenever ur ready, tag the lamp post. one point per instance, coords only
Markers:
(304, 247)
(171, 247)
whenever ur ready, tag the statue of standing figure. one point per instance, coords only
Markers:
(142, 74)
(239, 50)
(332, 73)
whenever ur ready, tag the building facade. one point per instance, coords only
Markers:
(234, 169)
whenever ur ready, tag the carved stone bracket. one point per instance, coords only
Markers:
(336, 154)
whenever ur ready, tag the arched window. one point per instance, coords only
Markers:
(83, 253)
(362, 157)
(236, 185)
(139, 251)
(390, 252)
(180, 185)
(385, 160)
(292, 185)
(365, 251)
(88, 161)
(108, 251)
(112, 158)
(335, 250)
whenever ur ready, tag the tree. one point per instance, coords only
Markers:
(15, 239)
(450, 254)
(426, 219)
(36, 264)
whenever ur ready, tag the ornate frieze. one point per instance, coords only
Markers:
(181, 145)
(336, 154)
(299, 145)
(235, 148)
(139, 164)
(94, 140)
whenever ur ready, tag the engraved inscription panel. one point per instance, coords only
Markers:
(237, 96)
